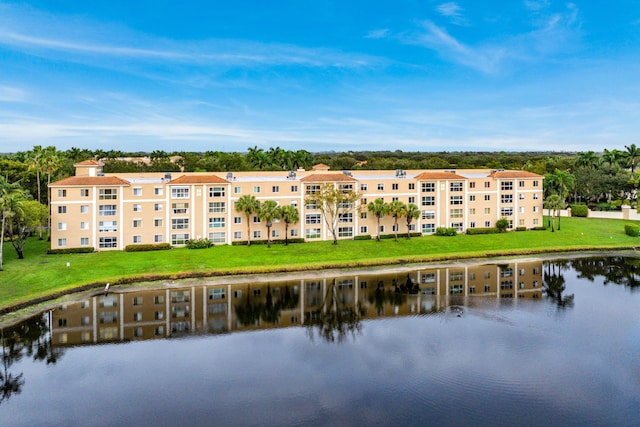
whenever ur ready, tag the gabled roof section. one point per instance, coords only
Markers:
(89, 162)
(514, 174)
(199, 179)
(328, 177)
(89, 181)
(431, 175)
(320, 167)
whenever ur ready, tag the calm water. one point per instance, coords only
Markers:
(520, 343)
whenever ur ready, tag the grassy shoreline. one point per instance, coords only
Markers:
(40, 277)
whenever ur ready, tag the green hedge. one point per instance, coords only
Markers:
(264, 242)
(393, 236)
(540, 228)
(632, 230)
(64, 251)
(487, 230)
(363, 237)
(579, 211)
(446, 231)
(147, 247)
(521, 228)
(199, 244)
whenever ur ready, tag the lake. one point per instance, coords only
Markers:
(523, 342)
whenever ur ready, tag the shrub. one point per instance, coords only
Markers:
(488, 230)
(199, 244)
(521, 228)
(632, 230)
(147, 247)
(539, 228)
(579, 211)
(363, 237)
(392, 236)
(446, 231)
(264, 242)
(606, 207)
(502, 224)
(70, 251)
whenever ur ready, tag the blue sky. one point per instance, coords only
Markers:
(413, 75)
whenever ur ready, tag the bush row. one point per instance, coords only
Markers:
(446, 231)
(147, 247)
(487, 230)
(632, 230)
(199, 244)
(264, 242)
(82, 250)
(393, 236)
(580, 211)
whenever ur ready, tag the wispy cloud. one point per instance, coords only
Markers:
(536, 5)
(453, 11)
(12, 94)
(377, 34)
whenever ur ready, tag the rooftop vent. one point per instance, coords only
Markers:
(291, 175)
(400, 173)
(167, 176)
(347, 173)
(230, 175)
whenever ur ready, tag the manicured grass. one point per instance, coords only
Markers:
(39, 274)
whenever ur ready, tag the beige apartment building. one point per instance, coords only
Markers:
(111, 211)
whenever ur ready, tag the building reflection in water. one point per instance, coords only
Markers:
(137, 314)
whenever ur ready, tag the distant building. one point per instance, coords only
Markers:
(111, 211)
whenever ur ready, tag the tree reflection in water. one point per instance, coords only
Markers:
(616, 270)
(252, 310)
(555, 285)
(334, 319)
(31, 338)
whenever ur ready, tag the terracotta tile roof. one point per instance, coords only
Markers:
(328, 177)
(429, 175)
(89, 162)
(199, 179)
(320, 167)
(514, 174)
(89, 181)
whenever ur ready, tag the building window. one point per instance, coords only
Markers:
(217, 207)
(137, 191)
(535, 196)
(179, 223)
(535, 208)
(506, 211)
(363, 187)
(157, 222)
(217, 293)
(137, 223)
(536, 221)
(412, 186)
(472, 224)
(62, 209)
(312, 233)
(380, 187)
(455, 200)
(487, 184)
(256, 188)
(137, 239)
(217, 192)
(84, 192)
(107, 210)
(312, 188)
(428, 228)
(108, 242)
(294, 188)
(472, 211)
(180, 192)
(345, 217)
(137, 207)
(535, 183)
(412, 199)
(237, 235)
(428, 187)
(217, 237)
(62, 193)
(487, 211)
(521, 184)
(312, 219)
(456, 213)
(216, 222)
(428, 201)
(108, 193)
(428, 214)
(507, 198)
(62, 226)
(84, 208)
(294, 232)
(157, 238)
(521, 196)
(487, 223)
(256, 220)
(257, 234)
(364, 229)
(62, 242)
(275, 188)
(84, 225)
(345, 231)
(157, 207)
(394, 186)
(179, 239)
(472, 185)
(456, 186)
(457, 225)
(157, 191)
(84, 241)
(237, 220)
(506, 185)
(236, 190)
(180, 208)
(107, 226)
(472, 198)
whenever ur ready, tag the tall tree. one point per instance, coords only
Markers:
(37, 163)
(412, 212)
(334, 203)
(6, 191)
(249, 205)
(553, 204)
(612, 158)
(379, 209)
(587, 159)
(268, 212)
(289, 214)
(632, 154)
(52, 160)
(397, 209)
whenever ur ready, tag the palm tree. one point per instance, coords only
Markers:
(412, 212)
(249, 205)
(612, 158)
(6, 191)
(288, 214)
(36, 162)
(268, 211)
(51, 161)
(565, 182)
(397, 210)
(378, 208)
(553, 204)
(632, 154)
(587, 159)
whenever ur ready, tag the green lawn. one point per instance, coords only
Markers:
(39, 274)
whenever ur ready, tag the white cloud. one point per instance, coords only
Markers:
(536, 5)
(12, 94)
(452, 10)
(377, 34)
